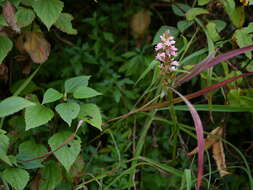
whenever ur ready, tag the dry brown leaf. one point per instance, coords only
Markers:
(210, 140)
(20, 43)
(140, 23)
(36, 46)
(9, 15)
(219, 157)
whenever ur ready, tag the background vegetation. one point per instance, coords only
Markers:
(85, 106)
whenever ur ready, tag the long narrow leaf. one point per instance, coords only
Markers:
(208, 63)
(200, 137)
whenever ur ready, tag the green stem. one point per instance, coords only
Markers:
(175, 129)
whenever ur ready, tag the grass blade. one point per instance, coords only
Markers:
(200, 137)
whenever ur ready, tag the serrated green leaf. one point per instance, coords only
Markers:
(16, 177)
(73, 83)
(48, 10)
(28, 150)
(51, 175)
(37, 115)
(51, 95)
(12, 105)
(85, 92)
(91, 114)
(193, 12)
(24, 17)
(173, 31)
(5, 47)
(64, 24)
(68, 111)
(4, 144)
(67, 154)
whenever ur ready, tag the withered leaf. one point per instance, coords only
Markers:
(210, 140)
(36, 46)
(9, 15)
(140, 23)
(219, 157)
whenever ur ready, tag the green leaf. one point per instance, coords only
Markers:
(2, 21)
(24, 17)
(67, 154)
(51, 95)
(16, 177)
(91, 114)
(68, 111)
(28, 150)
(64, 24)
(193, 12)
(152, 65)
(85, 92)
(12, 105)
(182, 25)
(51, 175)
(73, 83)
(244, 38)
(203, 2)
(4, 144)
(37, 115)
(212, 31)
(48, 10)
(180, 9)
(5, 47)
(173, 31)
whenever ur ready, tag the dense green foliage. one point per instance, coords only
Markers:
(84, 104)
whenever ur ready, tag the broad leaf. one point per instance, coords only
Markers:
(73, 83)
(193, 12)
(212, 31)
(48, 11)
(243, 37)
(4, 144)
(24, 17)
(29, 150)
(68, 111)
(16, 177)
(37, 115)
(51, 95)
(67, 154)
(12, 105)
(5, 47)
(182, 25)
(51, 175)
(91, 114)
(64, 24)
(36, 46)
(85, 92)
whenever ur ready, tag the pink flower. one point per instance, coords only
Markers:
(159, 46)
(166, 51)
(161, 56)
(173, 68)
(175, 63)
